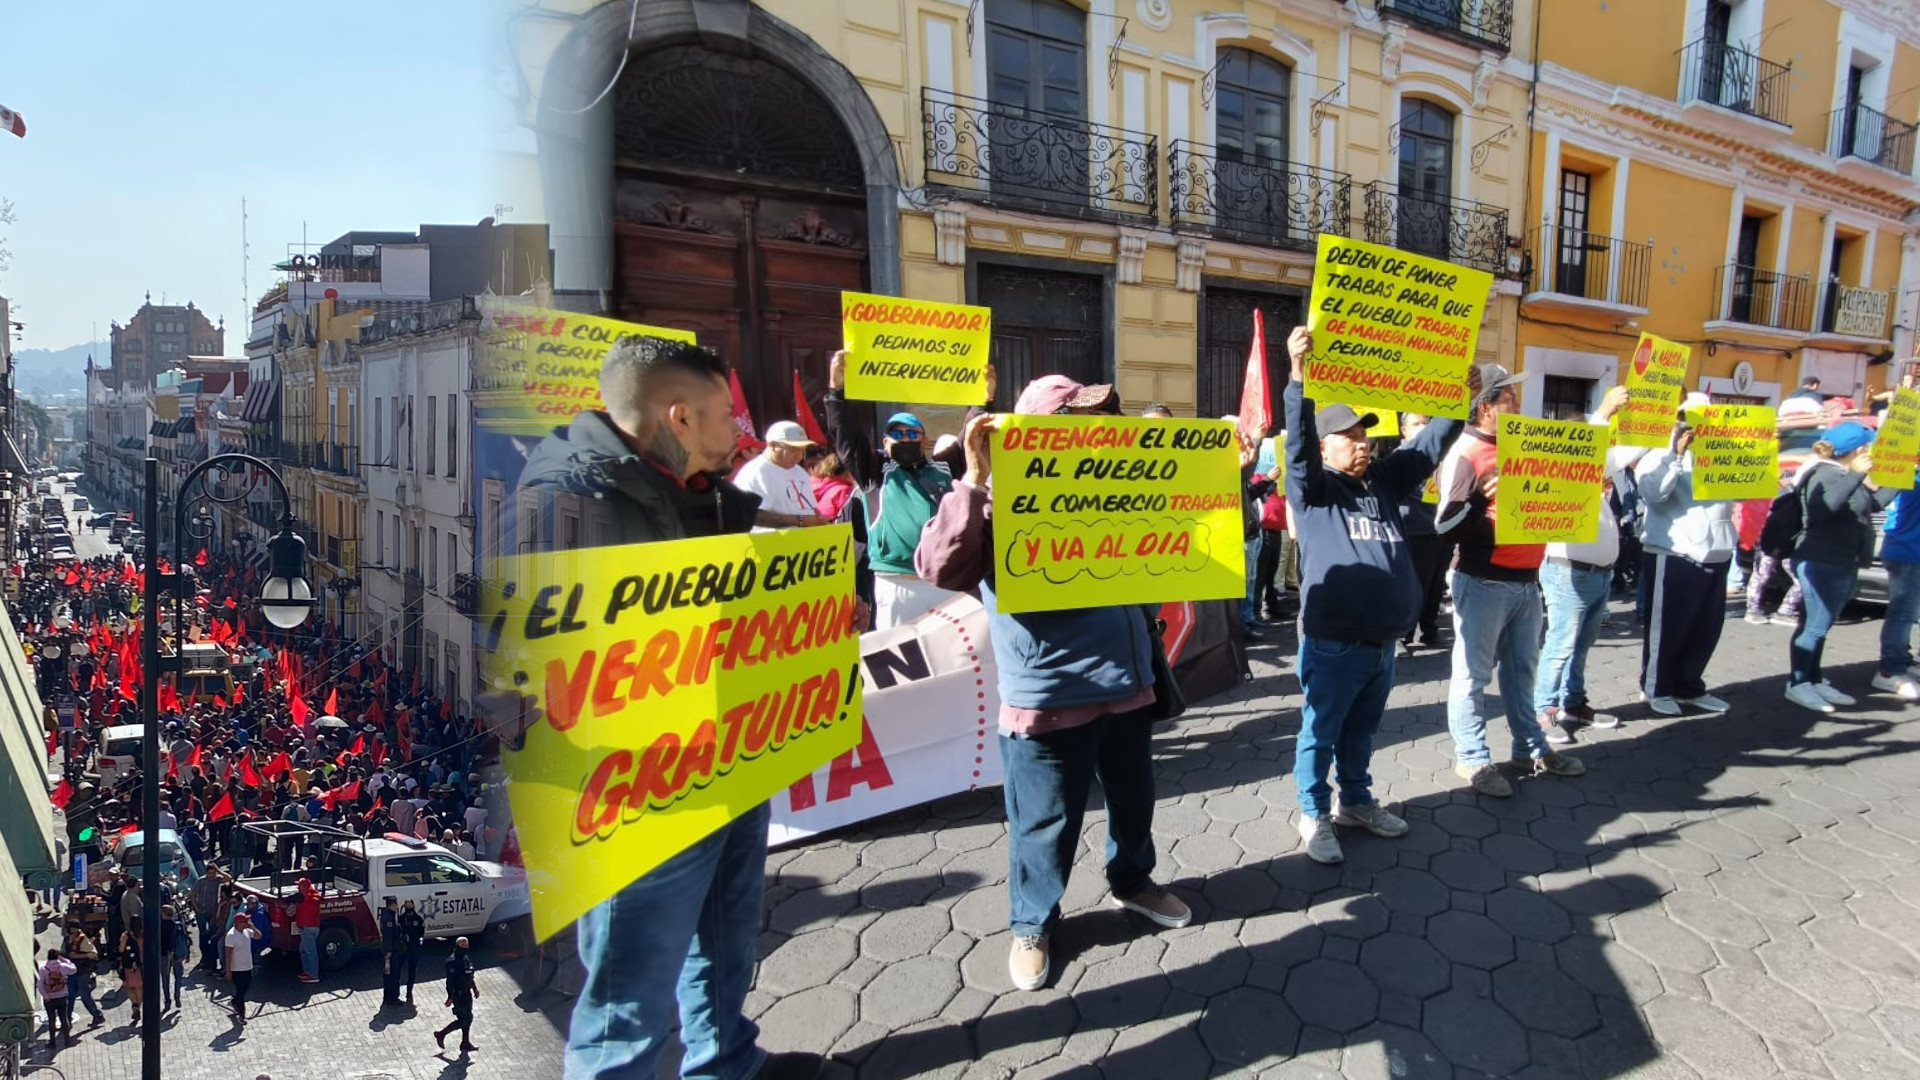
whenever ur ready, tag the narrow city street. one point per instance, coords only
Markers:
(1720, 897)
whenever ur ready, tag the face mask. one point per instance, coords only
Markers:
(906, 453)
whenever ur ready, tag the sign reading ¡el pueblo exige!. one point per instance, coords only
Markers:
(1896, 449)
(1655, 381)
(679, 685)
(1736, 452)
(539, 367)
(1550, 480)
(915, 350)
(1092, 511)
(1392, 330)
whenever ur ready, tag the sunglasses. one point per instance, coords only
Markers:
(904, 433)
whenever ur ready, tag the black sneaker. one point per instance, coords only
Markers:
(1584, 714)
(1556, 731)
(1252, 633)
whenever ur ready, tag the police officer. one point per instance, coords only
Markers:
(390, 938)
(413, 931)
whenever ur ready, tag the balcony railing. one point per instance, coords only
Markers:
(1763, 298)
(333, 551)
(1478, 22)
(343, 459)
(1590, 266)
(1009, 155)
(466, 594)
(1469, 233)
(1733, 78)
(1855, 312)
(1871, 135)
(1279, 205)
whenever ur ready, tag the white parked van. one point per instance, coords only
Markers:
(121, 752)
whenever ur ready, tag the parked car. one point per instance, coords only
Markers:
(81, 505)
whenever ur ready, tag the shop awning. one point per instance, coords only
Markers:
(263, 400)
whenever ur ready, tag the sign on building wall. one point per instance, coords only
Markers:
(1860, 312)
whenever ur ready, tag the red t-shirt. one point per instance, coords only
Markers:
(307, 911)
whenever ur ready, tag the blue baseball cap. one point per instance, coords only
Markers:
(1849, 437)
(905, 419)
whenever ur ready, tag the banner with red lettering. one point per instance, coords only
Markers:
(932, 714)
(538, 368)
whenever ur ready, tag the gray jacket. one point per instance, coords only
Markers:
(1838, 514)
(1675, 523)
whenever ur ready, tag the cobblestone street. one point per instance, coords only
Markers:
(1719, 897)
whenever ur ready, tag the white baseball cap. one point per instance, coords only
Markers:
(788, 433)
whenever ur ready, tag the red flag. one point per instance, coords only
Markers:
(247, 775)
(742, 419)
(173, 767)
(193, 759)
(73, 577)
(226, 775)
(359, 745)
(239, 692)
(201, 558)
(279, 766)
(803, 412)
(169, 698)
(1256, 405)
(12, 123)
(333, 703)
(353, 669)
(222, 809)
(62, 793)
(299, 706)
(219, 701)
(130, 827)
(379, 752)
(377, 712)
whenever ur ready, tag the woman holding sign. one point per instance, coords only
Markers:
(1074, 687)
(1837, 504)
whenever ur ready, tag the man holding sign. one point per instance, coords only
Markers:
(685, 931)
(1076, 690)
(1359, 596)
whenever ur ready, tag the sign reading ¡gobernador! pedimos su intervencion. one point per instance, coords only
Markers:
(678, 685)
(1095, 511)
(916, 351)
(1392, 330)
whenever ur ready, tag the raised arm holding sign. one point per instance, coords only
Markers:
(915, 350)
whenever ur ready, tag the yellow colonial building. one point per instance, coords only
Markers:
(319, 455)
(1123, 181)
(1737, 176)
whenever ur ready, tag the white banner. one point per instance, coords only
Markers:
(932, 718)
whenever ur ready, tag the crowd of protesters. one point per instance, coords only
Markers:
(292, 726)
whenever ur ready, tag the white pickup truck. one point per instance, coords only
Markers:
(355, 876)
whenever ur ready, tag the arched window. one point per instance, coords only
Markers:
(1250, 110)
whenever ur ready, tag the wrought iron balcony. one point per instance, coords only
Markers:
(1733, 78)
(1873, 136)
(466, 594)
(1855, 312)
(1279, 205)
(1484, 23)
(1588, 266)
(343, 459)
(1469, 233)
(1763, 298)
(1012, 156)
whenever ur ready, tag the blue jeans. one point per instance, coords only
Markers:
(1249, 604)
(1047, 781)
(1576, 606)
(1825, 588)
(1903, 606)
(675, 946)
(1345, 686)
(83, 990)
(310, 950)
(1494, 623)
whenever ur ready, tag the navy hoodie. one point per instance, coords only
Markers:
(1357, 581)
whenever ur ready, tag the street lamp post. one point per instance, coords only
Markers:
(285, 600)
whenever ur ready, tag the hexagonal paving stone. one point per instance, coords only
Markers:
(1855, 1058)
(1470, 939)
(905, 933)
(1733, 835)
(1817, 977)
(894, 852)
(1760, 896)
(1801, 876)
(1527, 914)
(1543, 999)
(1716, 919)
(1766, 1005)
(1348, 914)
(1246, 1026)
(1474, 1033)
(909, 992)
(1708, 1039)
(1021, 1030)
(1467, 871)
(1205, 963)
(1234, 807)
(1388, 1050)
(1117, 993)
(1465, 820)
(1608, 969)
(1411, 891)
(1401, 963)
(1206, 853)
(1518, 854)
(807, 960)
(809, 1022)
(1335, 996)
(1862, 948)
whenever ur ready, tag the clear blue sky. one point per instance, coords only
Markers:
(146, 123)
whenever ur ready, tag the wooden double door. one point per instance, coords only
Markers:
(755, 273)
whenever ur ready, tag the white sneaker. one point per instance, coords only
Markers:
(1756, 618)
(1805, 696)
(1904, 686)
(1705, 701)
(1322, 846)
(1827, 690)
(1665, 706)
(1372, 817)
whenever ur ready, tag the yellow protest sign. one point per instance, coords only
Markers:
(1656, 378)
(1391, 329)
(1431, 493)
(1736, 452)
(678, 685)
(1388, 426)
(1092, 511)
(537, 368)
(1550, 480)
(1896, 450)
(917, 351)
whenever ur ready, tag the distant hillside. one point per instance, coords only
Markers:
(44, 372)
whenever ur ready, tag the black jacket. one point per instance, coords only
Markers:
(589, 459)
(1838, 515)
